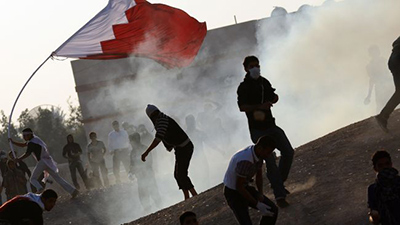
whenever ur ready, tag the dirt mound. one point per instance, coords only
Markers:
(328, 181)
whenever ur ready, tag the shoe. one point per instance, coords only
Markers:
(382, 123)
(282, 203)
(75, 193)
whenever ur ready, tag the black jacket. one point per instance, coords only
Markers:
(72, 151)
(255, 92)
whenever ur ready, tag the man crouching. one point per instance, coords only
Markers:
(244, 165)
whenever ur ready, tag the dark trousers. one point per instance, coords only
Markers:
(182, 161)
(394, 101)
(240, 206)
(118, 157)
(97, 169)
(277, 175)
(73, 167)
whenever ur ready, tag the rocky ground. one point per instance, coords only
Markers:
(328, 181)
(328, 186)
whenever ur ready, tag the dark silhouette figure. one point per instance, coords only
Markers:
(173, 137)
(394, 66)
(256, 97)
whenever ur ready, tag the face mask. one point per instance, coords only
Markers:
(255, 73)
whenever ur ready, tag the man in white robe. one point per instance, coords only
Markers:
(45, 162)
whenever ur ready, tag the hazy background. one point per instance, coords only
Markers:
(316, 60)
(32, 30)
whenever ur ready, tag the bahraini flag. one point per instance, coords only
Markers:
(136, 27)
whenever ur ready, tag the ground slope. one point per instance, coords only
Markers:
(328, 181)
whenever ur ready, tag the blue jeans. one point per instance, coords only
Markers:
(277, 175)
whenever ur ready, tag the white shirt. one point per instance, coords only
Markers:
(118, 140)
(243, 164)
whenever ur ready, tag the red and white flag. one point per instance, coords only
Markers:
(136, 27)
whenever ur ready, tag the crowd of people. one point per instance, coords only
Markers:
(255, 97)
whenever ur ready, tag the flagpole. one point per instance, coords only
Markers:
(16, 100)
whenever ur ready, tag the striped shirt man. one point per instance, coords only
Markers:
(169, 132)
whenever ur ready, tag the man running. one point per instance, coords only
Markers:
(394, 66)
(44, 162)
(244, 165)
(255, 98)
(173, 137)
(28, 209)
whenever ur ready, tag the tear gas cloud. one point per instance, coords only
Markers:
(316, 59)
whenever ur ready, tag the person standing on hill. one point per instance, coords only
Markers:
(72, 151)
(96, 151)
(256, 97)
(44, 162)
(173, 137)
(244, 165)
(394, 66)
(119, 147)
(384, 194)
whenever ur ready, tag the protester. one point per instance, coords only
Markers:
(44, 161)
(146, 180)
(173, 137)
(28, 209)
(14, 181)
(72, 151)
(255, 98)
(24, 168)
(96, 151)
(244, 165)
(118, 144)
(376, 70)
(384, 194)
(394, 66)
(3, 162)
(188, 218)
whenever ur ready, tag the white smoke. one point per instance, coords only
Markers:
(315, 59)
(319, 66)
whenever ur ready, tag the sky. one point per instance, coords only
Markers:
(33, 29)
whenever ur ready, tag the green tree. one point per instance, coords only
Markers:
(50, 124)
